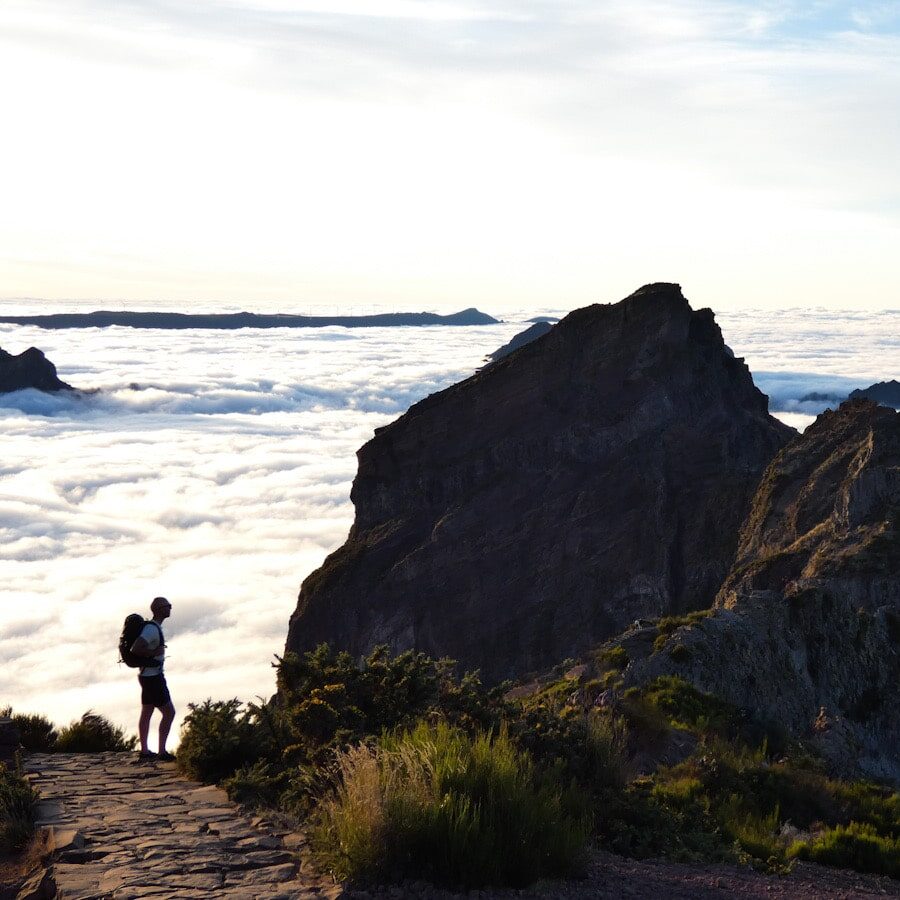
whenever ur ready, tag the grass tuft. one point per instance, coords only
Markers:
(434, 803)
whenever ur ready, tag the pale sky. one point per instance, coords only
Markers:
(438, 155)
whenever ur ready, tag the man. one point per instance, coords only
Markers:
(154, 691)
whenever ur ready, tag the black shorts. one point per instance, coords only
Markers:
(154, 691)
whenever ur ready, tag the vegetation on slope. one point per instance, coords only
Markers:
(405, 767)
(17, 809)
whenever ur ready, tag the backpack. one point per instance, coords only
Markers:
(131, 631)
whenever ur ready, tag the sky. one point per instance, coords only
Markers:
(410, 154)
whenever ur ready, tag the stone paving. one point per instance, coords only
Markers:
(135, 829)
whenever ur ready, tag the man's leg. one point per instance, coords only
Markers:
(168, 714)
(144, 726)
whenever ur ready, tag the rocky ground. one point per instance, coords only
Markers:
(124, 829)
(127, 829)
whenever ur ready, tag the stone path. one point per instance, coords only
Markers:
(133, 829)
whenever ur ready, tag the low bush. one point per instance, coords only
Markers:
(217, 739)
(257, 785)
(17, 810)
(36, 733)
(854, 846)
(614, 658)
(434, 803)
(93, 734)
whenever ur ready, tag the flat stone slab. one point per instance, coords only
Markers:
(133, 830)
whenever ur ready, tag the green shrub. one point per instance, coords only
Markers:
(434, 803)
(36, 733)
(755, 832)
(854, 846)
(686, 707)
(613, 658)
(217, 739)
(257, 785)
(17, 810)
(93, 734)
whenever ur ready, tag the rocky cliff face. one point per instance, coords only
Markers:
(30, 369)
(591, 477)
(807, 632)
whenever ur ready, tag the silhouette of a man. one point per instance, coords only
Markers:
(154, 690)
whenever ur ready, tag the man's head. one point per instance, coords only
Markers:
(161, 608)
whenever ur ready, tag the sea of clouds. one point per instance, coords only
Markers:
(214, 467)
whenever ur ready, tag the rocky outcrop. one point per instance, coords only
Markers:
(30, 369)
(596, 475)
(887, 393)
(9, 738)
(539, 329)
(807, 630)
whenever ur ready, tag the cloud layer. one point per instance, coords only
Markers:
(215, 468)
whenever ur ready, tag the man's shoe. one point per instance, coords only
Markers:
(147, 754)
(165, 756)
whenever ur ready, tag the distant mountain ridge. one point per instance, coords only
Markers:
(886, 393)
(538, 330)
(175, 320)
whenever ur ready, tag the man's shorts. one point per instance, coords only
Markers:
(154, 691)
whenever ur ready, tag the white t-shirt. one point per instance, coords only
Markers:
(150, 633)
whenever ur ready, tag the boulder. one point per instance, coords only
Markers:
(9, 739)
(593, 477)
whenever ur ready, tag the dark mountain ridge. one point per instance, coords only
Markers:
(173, 320)
(591, 477)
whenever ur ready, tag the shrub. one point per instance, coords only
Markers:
(854, 846)
(613, 658)
(36, 733)
(17, 810)
(93, 734)
(217, 738)
(755, 833)
(434, 803)
(686, 707)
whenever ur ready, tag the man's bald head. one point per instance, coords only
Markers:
(160, 605)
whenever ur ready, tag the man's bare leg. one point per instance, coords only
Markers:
(144, 726)
(168, 714)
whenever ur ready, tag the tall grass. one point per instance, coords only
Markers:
(854, 846)
(436, 804)
(17, 803)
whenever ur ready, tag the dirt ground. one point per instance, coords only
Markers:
(611, 877)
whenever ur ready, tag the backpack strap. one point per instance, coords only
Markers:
(156, 663)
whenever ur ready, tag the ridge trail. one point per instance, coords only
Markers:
(148, 832)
